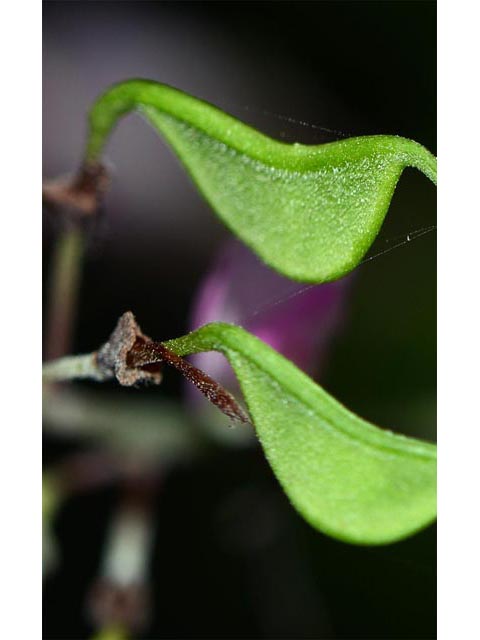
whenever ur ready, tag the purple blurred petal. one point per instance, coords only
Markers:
(297, 320)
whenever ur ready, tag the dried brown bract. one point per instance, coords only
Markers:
(113, 358)
(151, 352)
(79, 196)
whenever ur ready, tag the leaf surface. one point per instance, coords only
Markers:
(310, 212)
(348, 478)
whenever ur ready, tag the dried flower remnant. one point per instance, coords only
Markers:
(81, 195)
(131, 357)
(113, 358)
(74, 201)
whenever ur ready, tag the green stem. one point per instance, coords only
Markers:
(73, 367)
(63, 291)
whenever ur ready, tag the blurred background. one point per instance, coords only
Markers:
(224, 554)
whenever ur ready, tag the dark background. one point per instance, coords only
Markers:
(232, 559)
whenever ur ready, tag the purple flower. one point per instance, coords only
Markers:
(297, 320)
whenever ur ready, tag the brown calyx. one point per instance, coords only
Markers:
(114, 358)
(130, 356)
(80, 196)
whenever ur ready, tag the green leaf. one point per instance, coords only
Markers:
(310, 212)
(348, 478)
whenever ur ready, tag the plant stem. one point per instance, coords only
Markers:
(73, 367)
(63, 291)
